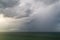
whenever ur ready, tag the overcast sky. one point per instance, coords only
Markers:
(30, 15)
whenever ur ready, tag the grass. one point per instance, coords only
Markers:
(29, 36)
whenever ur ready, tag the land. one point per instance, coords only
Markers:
(30, 36)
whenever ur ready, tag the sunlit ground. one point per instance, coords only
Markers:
(29, 36)
(2, 36)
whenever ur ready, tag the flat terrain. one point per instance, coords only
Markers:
(30, 36)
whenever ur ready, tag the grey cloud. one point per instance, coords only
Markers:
(7, 7)
(47, 2)
(45, 21)
(40, 18)
(8, 3)
(17, 11)
(11, 8)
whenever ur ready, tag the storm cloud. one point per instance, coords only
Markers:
(8, 3)
(31, 15)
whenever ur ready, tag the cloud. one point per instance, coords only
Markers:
(31, 15)
(45, 18)
(8, 24)
(47, 2)
(16, 17)
(8, 3)
(17, 11)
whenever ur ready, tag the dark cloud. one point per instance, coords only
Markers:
(7, 7)
(45, 20)
(17, 11)
(33, 17)
(8, 3)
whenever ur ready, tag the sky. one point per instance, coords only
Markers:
(29, 15)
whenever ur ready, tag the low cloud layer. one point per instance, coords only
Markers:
(31, 15)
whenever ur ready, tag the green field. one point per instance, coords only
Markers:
(29, 36)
